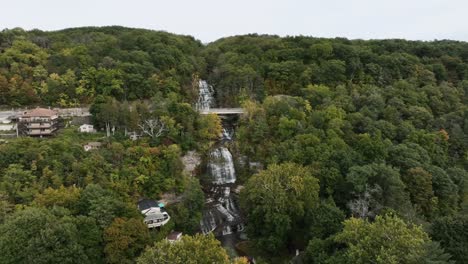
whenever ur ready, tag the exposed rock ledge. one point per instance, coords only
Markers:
(191, 160)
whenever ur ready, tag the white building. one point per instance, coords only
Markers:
(86, 128)
(155, 215)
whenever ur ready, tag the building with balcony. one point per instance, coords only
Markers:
(39, 122)
(154, 212)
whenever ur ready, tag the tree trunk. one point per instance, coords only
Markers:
(108, 129)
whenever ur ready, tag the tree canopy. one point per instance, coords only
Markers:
(338, 135)
(276, 201)
(198, 249)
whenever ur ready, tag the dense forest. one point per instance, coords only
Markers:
(362, 145)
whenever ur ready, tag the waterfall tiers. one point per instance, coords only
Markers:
(221, 215)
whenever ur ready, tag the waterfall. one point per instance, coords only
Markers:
(208, 223)
(227, 230)
(221, 215)
(205, 96)
(226, 134)
(222, 166)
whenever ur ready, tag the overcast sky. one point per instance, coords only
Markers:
(209, 20)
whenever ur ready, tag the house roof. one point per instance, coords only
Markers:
(174, 235)
(40, 112)
(147, 204)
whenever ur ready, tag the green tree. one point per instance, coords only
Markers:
(198, 249)
(188, 213)
(24, 52)
(386, 240)
(103, 205)
(382, 183)
(6, 208)
(209, 129)
(125, 239)
(452, 232)
(18, 183)
(37, 236)
(64, 197)
(90, 237)
(100, 81)
(419, 185)
(276, 201)
(445, 190)
(325, 220)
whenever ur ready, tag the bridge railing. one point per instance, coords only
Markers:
(222, 111)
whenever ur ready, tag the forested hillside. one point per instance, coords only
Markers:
(363, 145)
(382, 126)
(258, 66)
(73, 66)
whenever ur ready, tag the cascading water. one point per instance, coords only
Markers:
(205, 96)
(222, 166)
(221, 215)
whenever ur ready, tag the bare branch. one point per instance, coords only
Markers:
(153, 127)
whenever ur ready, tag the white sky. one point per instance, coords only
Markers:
(209, 20)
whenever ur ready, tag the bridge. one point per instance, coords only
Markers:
(222, 111)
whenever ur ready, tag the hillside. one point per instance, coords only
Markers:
(73, 66)
(350, 151)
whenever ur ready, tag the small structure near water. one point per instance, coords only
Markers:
(174, 236)
(155, 213)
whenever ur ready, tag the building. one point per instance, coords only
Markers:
(174, 236)
(155, 214)
(134, 136)
(86, 128)
(39, 122)
(92, 146)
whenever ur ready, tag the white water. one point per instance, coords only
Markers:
(227, 230)
(205, 96)
(226, 134)
(208, 223)
(221, 166)
(220, 215)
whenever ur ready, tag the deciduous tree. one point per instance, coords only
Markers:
(276, 201)
(199, 249)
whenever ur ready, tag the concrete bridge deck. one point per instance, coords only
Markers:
(222, 111)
